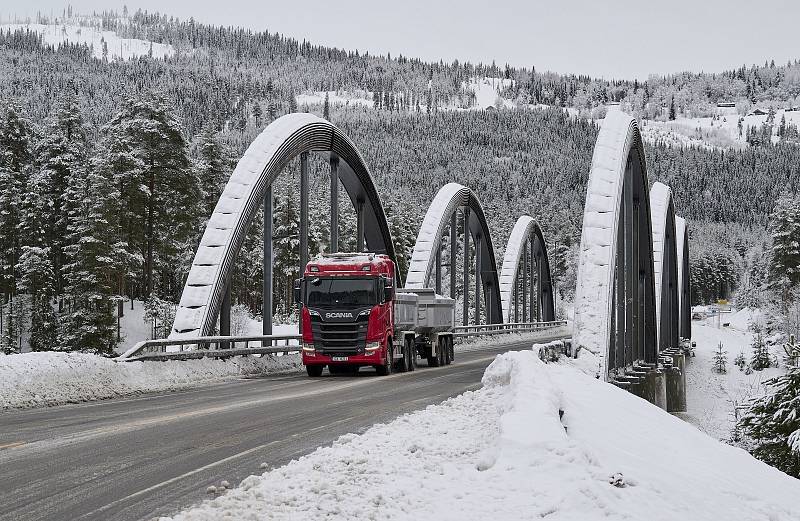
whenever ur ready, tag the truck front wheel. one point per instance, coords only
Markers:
(314, 370)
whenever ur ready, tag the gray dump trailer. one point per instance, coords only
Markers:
(425, 320)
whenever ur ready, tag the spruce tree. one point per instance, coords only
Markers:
(761, 358)
(773, 423)
(94, 264)
(784, 227)
(37, 279)
(720, 359)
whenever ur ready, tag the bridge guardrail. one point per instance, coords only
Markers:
(513, 327)
(226, 346)
(209, 346)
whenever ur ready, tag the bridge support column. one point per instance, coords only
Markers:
(453, 252)
(266, 285)
(536, 287)
(360, 226)
(438, 271)
(225, 312)
(478, 292)
(334, 203)
(465, 274)
(526, 286)
(303, 211)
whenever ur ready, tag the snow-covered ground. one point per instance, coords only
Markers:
(505, 452)
(712, 397)
(712, 133)
(93, 36)
(50, 378)
(341, 97)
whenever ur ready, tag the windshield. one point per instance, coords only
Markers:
(338, 293)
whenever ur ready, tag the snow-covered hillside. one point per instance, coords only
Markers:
(536, 442)
(95, 37)
(719, 132)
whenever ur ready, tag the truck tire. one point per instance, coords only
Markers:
(314, 371)
(442, 351)
(451, 351)
(434, 360)
(386, 368)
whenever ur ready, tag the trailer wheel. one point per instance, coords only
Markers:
(442, 351)
(314, 370)
(412, 354)
(451, 350)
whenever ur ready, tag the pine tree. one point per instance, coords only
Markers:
(10, 334)
(761, 358)
(144, 155)
(15, 157)
(773, 423)
(740, 361)
(213, 167)
(326, 108)
(720, 359)
(94, 264)
(672, 109)
(37, 279)
(784, 227)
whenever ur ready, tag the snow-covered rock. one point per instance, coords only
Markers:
(53, 378)
(537, 441)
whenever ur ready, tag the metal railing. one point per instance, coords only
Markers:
(230, 346)
(498, 329)
(211, 346)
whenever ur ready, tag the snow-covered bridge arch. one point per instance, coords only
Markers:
(526, 257)
(684, 286)
(441, 215)
(284, 139)
(615, 298)
(665, 265)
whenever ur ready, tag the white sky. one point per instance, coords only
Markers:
(601, 38)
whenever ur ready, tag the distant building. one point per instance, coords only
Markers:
(758, 112)
(726, 104)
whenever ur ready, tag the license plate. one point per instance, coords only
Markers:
(339, 358)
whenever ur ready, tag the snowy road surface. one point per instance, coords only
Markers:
(148, 456)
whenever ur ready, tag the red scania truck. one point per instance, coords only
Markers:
(352, 316)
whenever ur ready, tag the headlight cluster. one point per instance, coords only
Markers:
(308, 349)
(372, 347)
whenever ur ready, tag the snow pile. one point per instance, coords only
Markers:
(505, 452)
(94, 37)
(743, 318)
(51, 378)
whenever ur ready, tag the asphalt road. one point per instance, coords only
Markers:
(142, 457)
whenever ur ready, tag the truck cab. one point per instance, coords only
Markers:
(347, 312)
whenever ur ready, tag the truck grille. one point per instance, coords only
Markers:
(345, 338)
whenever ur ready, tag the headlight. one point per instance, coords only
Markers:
(309, 349)
(372, 347)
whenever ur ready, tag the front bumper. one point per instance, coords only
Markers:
(376, 358)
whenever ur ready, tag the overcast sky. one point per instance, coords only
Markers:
(602, 38)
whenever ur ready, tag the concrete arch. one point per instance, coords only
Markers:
(615, 298)
(684, 284)
(527, 236)
(284, 139)
(450, 198)
(665, 265)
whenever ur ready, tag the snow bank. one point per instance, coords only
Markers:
(51, 378)
(505, 452)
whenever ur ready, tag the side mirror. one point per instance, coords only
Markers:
(298, 298)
